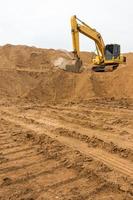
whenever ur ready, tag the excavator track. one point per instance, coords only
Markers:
(104, 68)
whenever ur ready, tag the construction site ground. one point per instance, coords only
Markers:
(63, 135)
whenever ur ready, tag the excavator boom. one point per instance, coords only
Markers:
(86, 30)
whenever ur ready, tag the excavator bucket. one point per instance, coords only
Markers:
(70, 65)
(74, 66)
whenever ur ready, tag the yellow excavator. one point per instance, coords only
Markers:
(108, 56)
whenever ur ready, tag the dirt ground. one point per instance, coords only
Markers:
(64, 136)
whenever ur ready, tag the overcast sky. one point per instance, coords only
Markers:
(46, 23)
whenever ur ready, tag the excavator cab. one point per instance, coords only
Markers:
(112, 57)
(112, 51)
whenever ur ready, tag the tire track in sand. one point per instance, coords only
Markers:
(21, 166)
(24, 172)
(123, 166)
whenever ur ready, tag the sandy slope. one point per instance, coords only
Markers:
(62, 135)
(29, 72)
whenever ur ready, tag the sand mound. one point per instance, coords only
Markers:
(29, 72)
(116, 84)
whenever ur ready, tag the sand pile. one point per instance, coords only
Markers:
(117, 84)
(29, 72)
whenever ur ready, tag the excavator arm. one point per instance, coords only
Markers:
(78, 26)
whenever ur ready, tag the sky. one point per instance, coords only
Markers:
(46, 23)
